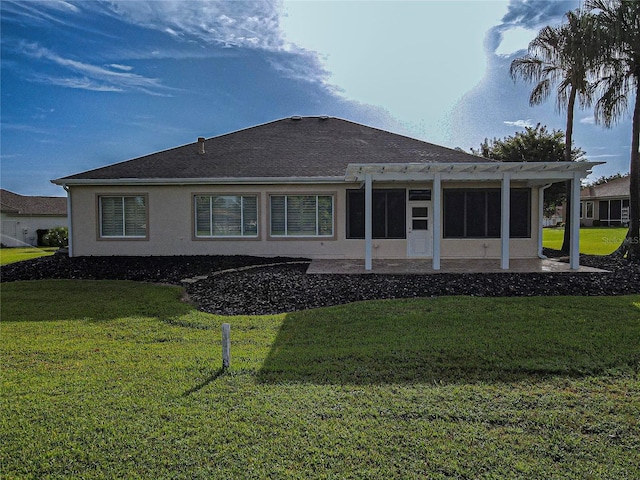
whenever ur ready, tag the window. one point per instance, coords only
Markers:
(586, 210)
(301, 215)
(226, 215)
(388, 211)
(477, 213)
(123, 216)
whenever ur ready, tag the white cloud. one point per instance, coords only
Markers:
(519, 123)
(515, 39)
(118, 66)
(588, 120)
(414, 59)
(228, 23)
(91, 77)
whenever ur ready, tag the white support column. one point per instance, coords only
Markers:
(69, 221)
(574, 248)
(436, 221)
(505, 217)
(540, 218)
(368, 220)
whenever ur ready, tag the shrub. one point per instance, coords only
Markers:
(56, 237)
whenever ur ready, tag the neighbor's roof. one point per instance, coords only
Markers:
(613, 188)
(16, 204)
(296, 147)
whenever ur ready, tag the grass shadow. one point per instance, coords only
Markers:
(212, 378)
(455, 340)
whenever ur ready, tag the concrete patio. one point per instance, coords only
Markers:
(424, 266)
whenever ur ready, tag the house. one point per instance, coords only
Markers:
(316, 187)
(22, 216)
(606, 204)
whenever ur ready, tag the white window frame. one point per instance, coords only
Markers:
(586, 210)
(124, 217)
(211, 197)
(286, 233)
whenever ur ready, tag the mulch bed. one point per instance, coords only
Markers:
(285, 288)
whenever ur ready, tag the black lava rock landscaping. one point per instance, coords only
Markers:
(223, 284)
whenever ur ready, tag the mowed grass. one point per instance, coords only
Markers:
(123, 380)
(593, 240)
(12, 255)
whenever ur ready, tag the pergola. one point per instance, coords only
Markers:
(535, 174)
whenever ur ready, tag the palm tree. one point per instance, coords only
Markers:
(618, 33)
(562, 57)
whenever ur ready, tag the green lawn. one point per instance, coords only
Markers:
(593, 240)
(122, 380)
(11, 255)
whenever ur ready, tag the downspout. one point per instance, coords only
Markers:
(69, 220)
(540, 218)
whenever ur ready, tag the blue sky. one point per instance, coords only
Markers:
(89, 83)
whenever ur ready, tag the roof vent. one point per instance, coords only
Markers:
(296, 117)
(324, 117)
(201, 145)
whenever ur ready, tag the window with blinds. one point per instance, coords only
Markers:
(123, 216)
(226, 216)
(301, 215)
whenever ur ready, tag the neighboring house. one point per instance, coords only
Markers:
(606, 204)
(316, 187)
(556, 218)
(22, 216)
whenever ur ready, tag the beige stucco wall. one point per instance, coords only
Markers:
(171, 226)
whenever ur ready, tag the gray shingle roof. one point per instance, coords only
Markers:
(13, 203)
(620, 187)
(296, 147)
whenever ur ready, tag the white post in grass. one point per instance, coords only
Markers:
(226, 345)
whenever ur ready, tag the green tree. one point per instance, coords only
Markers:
(618, 36)
(534, 144)
(561, 57)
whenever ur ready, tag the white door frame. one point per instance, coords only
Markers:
(415, 232)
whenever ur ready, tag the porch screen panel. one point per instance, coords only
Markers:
(603, 211)
(476, 209)
(388, 214)
(396, 214)
(520, 213)
(615, 210)
(476, 213)
(454, 213)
